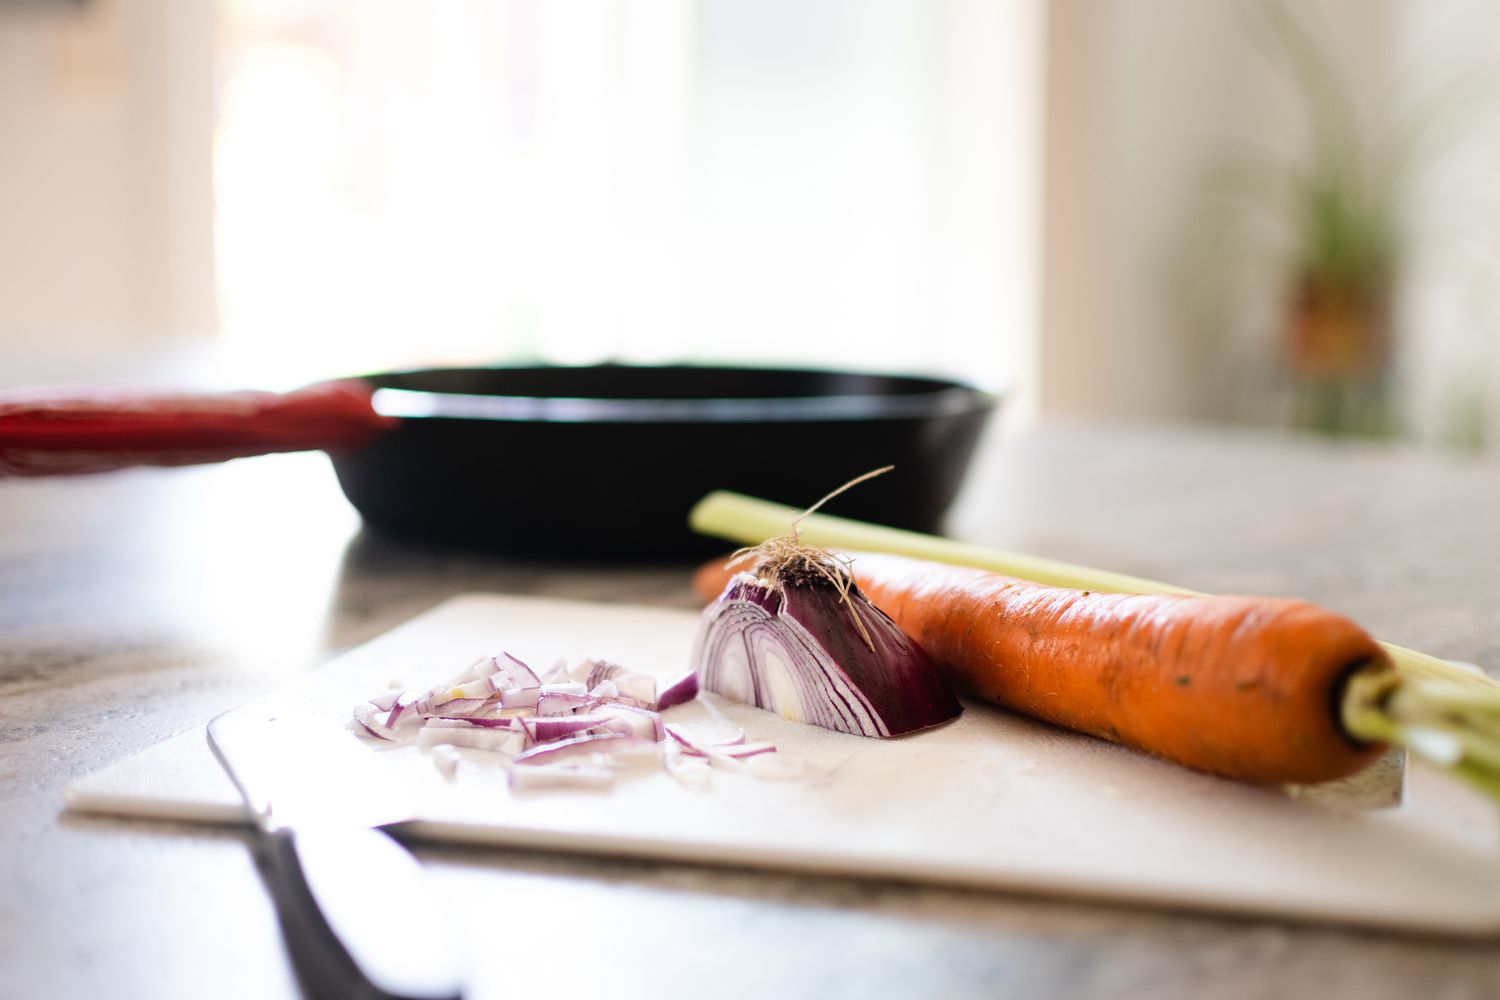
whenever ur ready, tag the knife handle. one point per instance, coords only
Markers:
(359, 917)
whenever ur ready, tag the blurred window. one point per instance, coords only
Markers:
(840, 182)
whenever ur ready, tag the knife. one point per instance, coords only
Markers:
(358, 917)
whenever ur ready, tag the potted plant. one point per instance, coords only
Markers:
(1339, 208)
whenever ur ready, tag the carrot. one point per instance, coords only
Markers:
(1245, 687)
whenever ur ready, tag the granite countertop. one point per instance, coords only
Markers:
(139, 604)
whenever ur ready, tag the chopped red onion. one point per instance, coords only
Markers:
(566, 728)
(683, 688)
(793, 646)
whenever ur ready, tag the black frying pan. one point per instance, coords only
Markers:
(601, 461)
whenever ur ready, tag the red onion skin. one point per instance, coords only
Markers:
(903, 688)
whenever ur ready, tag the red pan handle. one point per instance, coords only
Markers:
(61, 431)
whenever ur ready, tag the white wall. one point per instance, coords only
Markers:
(1139, 92)
(106, 203)
(1154, 306)
(1451, 300)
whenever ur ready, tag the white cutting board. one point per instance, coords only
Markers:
(991, 800)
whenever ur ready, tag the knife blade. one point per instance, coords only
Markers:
(355, 909)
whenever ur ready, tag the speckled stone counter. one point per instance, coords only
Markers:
(136, 605)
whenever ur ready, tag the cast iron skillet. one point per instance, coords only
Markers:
(599, 462)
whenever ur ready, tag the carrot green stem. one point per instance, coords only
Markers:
(1438, 711)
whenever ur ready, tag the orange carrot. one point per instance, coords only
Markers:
(1245, 687)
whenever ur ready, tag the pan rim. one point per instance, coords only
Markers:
(930, 398)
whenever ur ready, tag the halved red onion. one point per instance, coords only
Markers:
(794, 647)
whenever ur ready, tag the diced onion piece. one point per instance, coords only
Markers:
(732, 747)
(446, 758)
(628, 683)
(404, 701)
(536, 776)
(499, 740)
(609, 743)
(682, 688)
(386, 702)
(519, 674)
(453, 707)
(371, 718)
(642, 722)
(693, 772)
(563, 703)
(470, 722)
(547, 728)
(520, 697)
